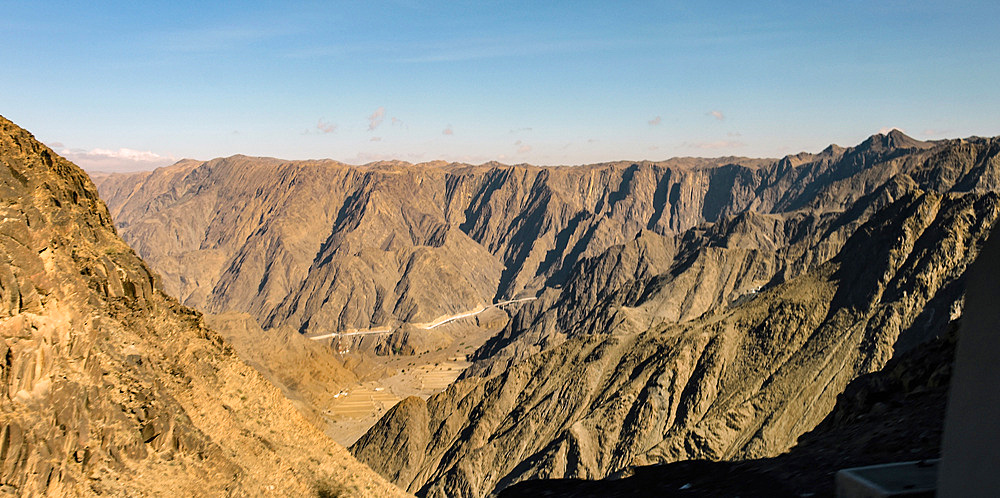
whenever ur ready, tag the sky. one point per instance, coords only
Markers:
(136, 85)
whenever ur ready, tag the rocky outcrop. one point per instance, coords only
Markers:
(108, 386)
(743, 383)
(726, 343)
(893, 415)
(686, 309)
(322, 247)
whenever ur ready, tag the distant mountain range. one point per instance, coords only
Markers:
(687, 309)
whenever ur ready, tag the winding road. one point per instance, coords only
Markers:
(425, 326)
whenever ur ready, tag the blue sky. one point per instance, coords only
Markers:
(135, 85)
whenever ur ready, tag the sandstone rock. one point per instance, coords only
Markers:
(108, 386)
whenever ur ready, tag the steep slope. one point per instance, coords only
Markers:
(740, 383)
(716, 265)
(893, 415)
(685, 301)
(323, 247)
(111, 387)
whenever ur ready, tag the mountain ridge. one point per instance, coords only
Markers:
(109, 386)
(679, 306)
(276, 270)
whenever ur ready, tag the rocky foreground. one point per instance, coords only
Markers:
(109, 386)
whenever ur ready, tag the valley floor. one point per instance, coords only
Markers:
(355, 409)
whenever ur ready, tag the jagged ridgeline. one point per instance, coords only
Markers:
(727, 341)
(691, 308)
(324, 247)
(107, 385)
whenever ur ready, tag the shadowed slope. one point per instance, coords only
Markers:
(597, 376)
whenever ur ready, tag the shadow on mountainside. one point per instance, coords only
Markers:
(896, 414)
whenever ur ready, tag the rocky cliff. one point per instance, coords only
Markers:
(323, 247)
(692, 308)
(726, 342)
(742, 383)
(107, 385)
(893, 415)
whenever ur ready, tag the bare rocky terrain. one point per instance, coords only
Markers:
(325, 247)
(108, 386)
(726, 344)
(687, 310)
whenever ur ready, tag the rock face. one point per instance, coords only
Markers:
(893, 415)
(726, 341)
(324, 247)
(693, 308)
(107, 385)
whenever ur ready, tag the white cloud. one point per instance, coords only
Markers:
(717, 115)
(376, 118)
(448, 131)
(121, 160)
(887, 129)
(655, 121)
(522, 147)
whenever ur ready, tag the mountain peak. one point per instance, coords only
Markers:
(891, 140)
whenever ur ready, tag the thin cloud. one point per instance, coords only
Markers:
(370, 157)
(448, 131)
(121, 160)
(655, 121)
(718, 144)
(734, 134)
(522, 147)
(717, 115)
(519, 130)
(375, 139)
(396, 121)
(219, 38)
(325, 127)
(376, 118)
(470, 50)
